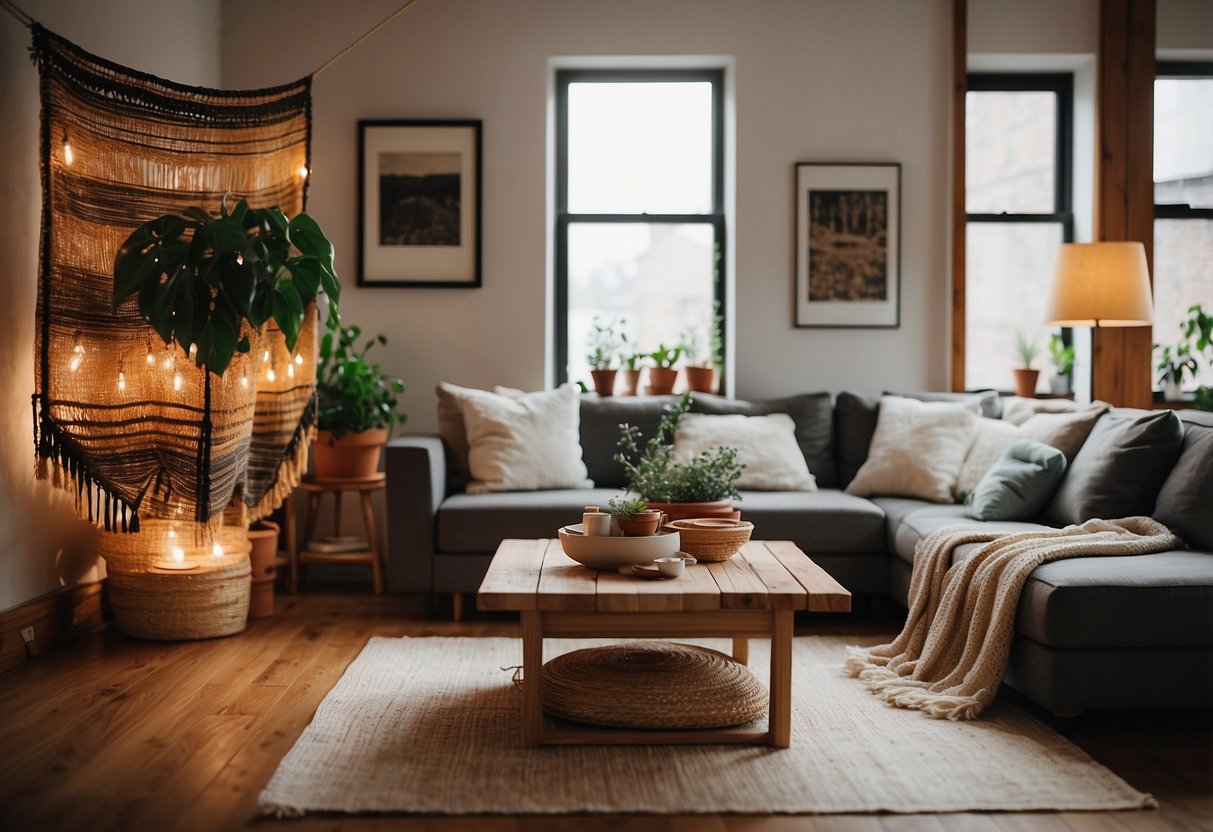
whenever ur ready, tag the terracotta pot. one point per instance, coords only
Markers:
(688, 511)
(604, 382)
(701, 379)
(661, 380)
(631, 382)
(263, 536)
(641, 525)
(1025, 382)
(353, 456)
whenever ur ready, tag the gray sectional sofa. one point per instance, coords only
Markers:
(1091, 633)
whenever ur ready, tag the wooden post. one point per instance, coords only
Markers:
(960, 83)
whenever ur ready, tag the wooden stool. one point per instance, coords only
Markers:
(316, 489)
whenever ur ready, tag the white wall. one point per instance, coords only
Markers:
(814, 81)
(176, 40)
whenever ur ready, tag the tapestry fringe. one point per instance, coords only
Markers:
(290, 473)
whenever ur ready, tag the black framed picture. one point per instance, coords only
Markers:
(419, 203)
(848, 245)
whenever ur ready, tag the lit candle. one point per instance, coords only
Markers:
(176, 556)
(217, 549)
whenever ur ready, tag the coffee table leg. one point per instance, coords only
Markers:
(741, 649)
(781, 679)
(532, 684)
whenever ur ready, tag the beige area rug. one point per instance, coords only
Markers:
(430, 725)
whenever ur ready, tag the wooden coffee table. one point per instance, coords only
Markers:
(753, 594)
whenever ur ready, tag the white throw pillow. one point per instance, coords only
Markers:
(766, 444)
(916, 451)
(991, 439)
(526, 443)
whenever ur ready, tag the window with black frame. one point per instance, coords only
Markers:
(640, 234)
(1183, 205)
(1018, 208)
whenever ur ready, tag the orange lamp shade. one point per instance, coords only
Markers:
(1100, 284)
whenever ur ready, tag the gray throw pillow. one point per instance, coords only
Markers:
(855, 417)
(813, 415)
(1185, 503)
(1020, 483)
(1120, 468)
(600, 421)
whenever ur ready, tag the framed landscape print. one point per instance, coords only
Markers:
(848, 245)
(419, 203)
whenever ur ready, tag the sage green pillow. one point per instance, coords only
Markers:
(1020, 483)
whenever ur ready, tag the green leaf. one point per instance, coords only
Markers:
(288, 312)
(229, 235)
(306, 236)
(262, 307)
(197, 214)
(306, 273)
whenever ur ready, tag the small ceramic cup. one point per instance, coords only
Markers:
(596, 524)
(674, 567)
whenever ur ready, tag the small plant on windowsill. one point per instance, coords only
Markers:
(1025, 376)
(1062, 356)
(605, 345)
(664, 374)
(1185, 357)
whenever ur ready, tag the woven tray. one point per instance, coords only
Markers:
(652, 684)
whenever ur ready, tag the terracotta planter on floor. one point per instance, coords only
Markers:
(701, 379)
(1025, 382)
(353, 456)
(604, 382)
(661, 380)
(688, 511)
(263, 557)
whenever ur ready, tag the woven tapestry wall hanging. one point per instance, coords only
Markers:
(130, 425)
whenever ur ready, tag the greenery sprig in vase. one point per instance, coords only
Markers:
(655, 476)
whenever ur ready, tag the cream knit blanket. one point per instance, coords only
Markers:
(949, 658)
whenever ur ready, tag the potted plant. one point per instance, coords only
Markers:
(1025, 376)
(206, 281)
(704, 486)
(356, 406)
(633, 516)
(1062, 356)
(263, 559)
(702, 366)
(605, 345)
(631, 370)
(664, 374)
(1196, 341)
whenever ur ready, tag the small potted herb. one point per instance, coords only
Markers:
(1025, 376)
(704, 486)
(1062, 356)
(356, 406)
(631, 370)
(1174, 361)
(604, 347)
(663, 375)
(633, 516)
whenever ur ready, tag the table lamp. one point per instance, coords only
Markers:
(1099, 285)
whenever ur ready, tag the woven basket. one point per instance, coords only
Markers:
(207, 601)
(712, 539)
(652, 684)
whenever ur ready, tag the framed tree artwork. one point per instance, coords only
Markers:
(419, 203)
(848, 245)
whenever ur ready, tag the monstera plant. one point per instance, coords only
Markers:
(200, 276)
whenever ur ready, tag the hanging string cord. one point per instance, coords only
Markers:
(356, 43)
(17, 12)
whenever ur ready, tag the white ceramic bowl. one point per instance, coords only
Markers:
(614, 552)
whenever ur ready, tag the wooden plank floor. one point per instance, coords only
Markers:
(117, 734)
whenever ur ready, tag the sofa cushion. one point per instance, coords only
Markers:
(1185, 503)
(1065, 431)
(600, 421)
(1121, 467)
(813, 414)
(1017, 409)
(916, 451)
(986, 402)
(479, 522)
(897, 509)
(1020, 483)
(765, 445)
(522, 443)
(827, 520)
(919, 524)
(855, 416)
(991, 439)
(1158, 600)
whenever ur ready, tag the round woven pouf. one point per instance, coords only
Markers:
(652, 684)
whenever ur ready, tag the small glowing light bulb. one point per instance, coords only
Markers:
(270, 374)
(68, 156)
(178, 554)
(151, 359)
(177, 381)
(121, 380)
(172, 534)
(303, 171)
(168, 362)
(217, 550)
(239, 259)
(265, 356)
(244, 380)
(193, 350)
(299, 359)
(290, 370)
(77, 357)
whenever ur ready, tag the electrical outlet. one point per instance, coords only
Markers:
(31, 649)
